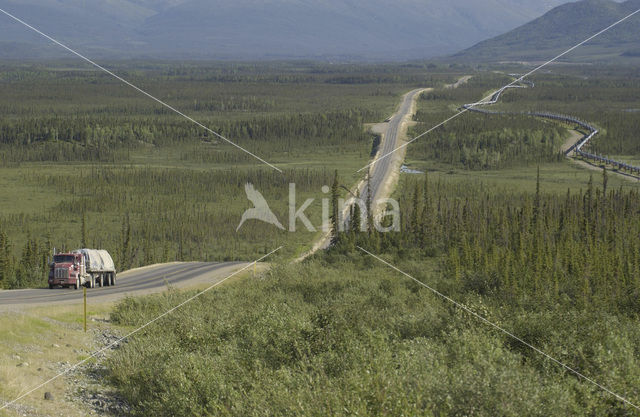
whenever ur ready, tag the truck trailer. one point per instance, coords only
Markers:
(82, 267)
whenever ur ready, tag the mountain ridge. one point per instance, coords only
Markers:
(252, 29)
(563, 27)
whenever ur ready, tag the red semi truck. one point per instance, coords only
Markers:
(88, 267)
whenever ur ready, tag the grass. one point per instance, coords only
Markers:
(552, 93)
(353, 337)
(19, 197)
(43, 340)
(52, 338)
(31, 207)
(554, 177)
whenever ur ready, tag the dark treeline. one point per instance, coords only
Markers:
(149, 215)
(90, 138)
(243, 72)
(581, 249)
(487, 142)
(64, 114)
(611, 103)
(28, 270)
(481, 142)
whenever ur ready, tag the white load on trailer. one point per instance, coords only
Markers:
(99, 267)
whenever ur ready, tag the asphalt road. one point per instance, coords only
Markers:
(135, 282)
(382, 169)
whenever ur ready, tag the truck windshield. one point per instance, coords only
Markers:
(64, 259)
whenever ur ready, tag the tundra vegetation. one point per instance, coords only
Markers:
(502, 223)
(87, 160)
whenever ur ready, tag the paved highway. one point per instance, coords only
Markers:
(382, 170)
(135, 282)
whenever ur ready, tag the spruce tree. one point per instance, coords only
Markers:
(83, 230)
(335, 210)
(369, 213)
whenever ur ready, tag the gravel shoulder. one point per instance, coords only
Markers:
(41, 341)
(405, 112)
(392, 138)
(397, 158)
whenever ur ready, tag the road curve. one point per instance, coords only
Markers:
(141, 281)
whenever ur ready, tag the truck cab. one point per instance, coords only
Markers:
(67, 270)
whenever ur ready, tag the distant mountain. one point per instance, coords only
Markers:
(261, 29)
(94, 26)
(563, 27)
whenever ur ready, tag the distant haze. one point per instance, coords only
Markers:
(563, 27)
(261, 29)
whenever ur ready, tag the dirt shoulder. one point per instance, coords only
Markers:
(592, 167)
(397, 158)
(574, 136)
(39, 343)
